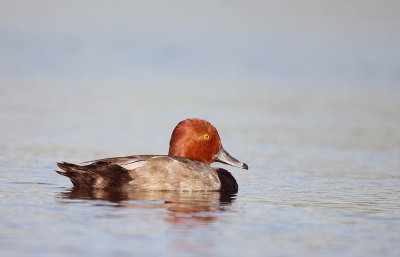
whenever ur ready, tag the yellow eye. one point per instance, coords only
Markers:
(206, 136)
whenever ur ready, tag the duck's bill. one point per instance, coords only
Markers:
(224, 157)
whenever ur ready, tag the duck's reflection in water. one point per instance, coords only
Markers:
(182, 206)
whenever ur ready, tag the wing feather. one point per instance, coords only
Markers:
(123, 161)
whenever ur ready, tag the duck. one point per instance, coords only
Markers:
(194, 145)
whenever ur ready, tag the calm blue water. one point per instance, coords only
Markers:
(307, 94)
(323, 180)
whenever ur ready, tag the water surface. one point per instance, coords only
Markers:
(305, 92)
(323, 180)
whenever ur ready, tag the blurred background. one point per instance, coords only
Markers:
(270, 42)
(153, 63)
(306, 92)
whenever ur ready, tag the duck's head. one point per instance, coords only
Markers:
(198, 140)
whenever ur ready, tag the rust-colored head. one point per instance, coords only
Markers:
(198, 140)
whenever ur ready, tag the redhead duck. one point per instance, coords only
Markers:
(194, 145)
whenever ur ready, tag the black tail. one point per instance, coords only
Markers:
(81, 176)
(98, 175)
